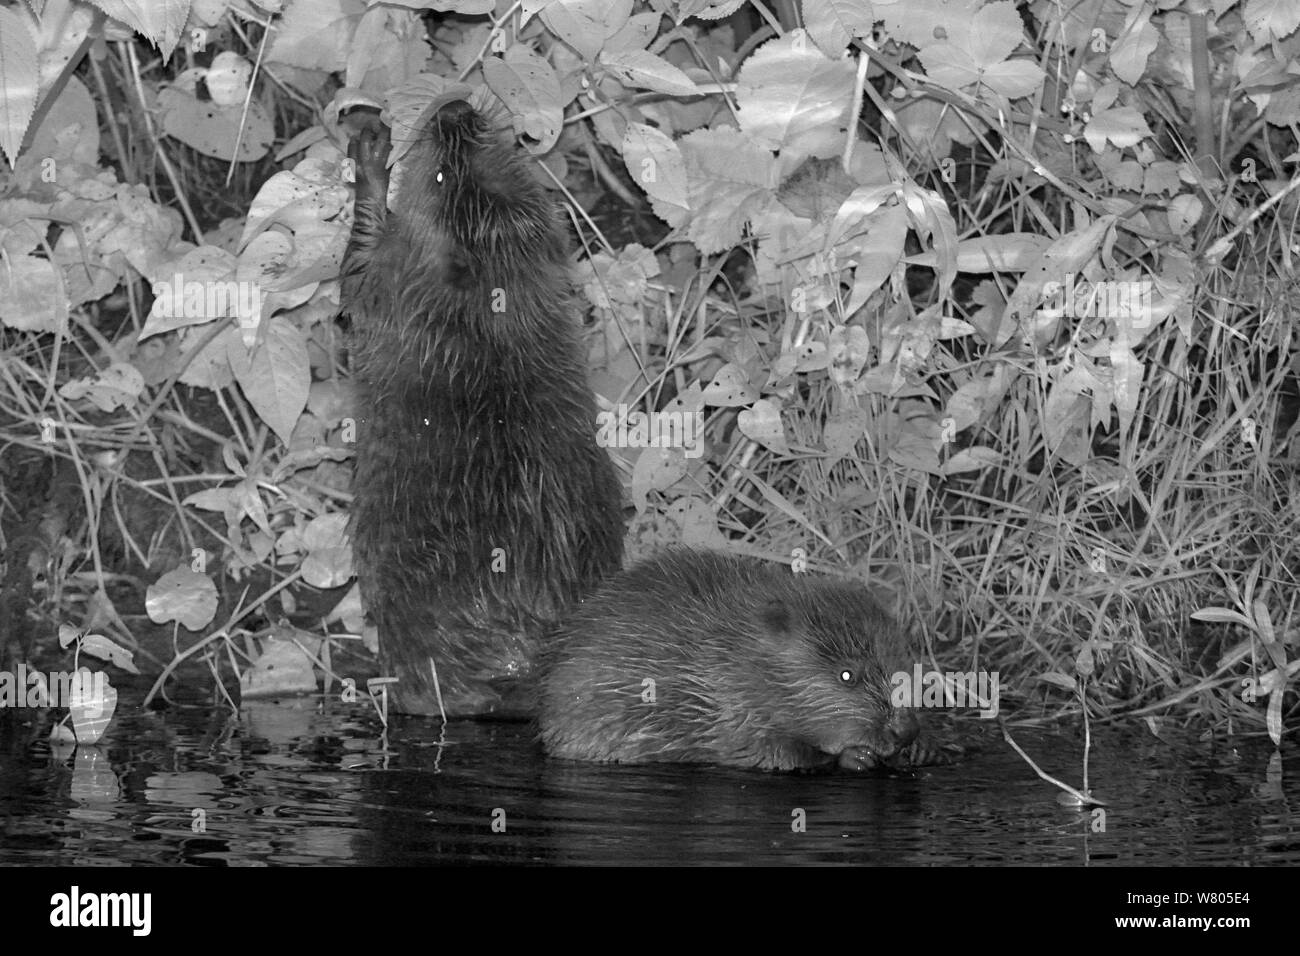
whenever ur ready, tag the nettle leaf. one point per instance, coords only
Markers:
(159, 22)
(18, 79)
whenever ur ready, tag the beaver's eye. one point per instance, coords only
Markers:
(848, 677)
(439, 176)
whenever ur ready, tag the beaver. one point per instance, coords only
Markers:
(483, 506)
(704, 657)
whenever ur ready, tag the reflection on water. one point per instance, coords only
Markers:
(300, 782)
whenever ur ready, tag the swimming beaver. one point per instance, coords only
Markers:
(483, 506)
(752, 666)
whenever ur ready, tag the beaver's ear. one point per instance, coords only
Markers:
(776, 616)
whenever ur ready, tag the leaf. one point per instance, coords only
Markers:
(91, 705)
(1139, 39)
(842, 430)
(790, 95)
(641, 70)
(1184, 212)
(1063, 681)
(32, 297)
(275, 376)
(18, 80)
(982, 54)
(1009, 252)
(1014, 78)
(585, 24)
(97, 645)
(656, 469)
(728, 176)
(215, 130)
(315, 34)
(530, 88)
(184, 596)
(1127, 373)
(118, 386)
(698, 522)
(283, 667)
(878, 251)
(1124, 126)
(932, 221)
(1068, 254)
(1269, 21)
(761, 422)
(918, 453)
(833, 23)
(328, 563)
(636, 34)
(971, 459)
(181, 298)
(949, 66)
(1263, 621)
(1084, 662)
(1273, 718)
(995, 34)
(656, 164)
(212, 499)
(730, 387)
(847, 351)
(1221, 615)
(159, 21)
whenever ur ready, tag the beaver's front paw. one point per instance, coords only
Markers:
(369, 151)
(924, 751)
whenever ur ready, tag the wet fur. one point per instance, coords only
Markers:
(746, 660)
(477, 427)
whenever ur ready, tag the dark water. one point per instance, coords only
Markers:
(294, 783)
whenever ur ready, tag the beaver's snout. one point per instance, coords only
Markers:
(902, 729)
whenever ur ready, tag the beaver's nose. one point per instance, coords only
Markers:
(903, 727)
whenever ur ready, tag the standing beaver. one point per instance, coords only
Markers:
(697, 657)
(483, 507)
